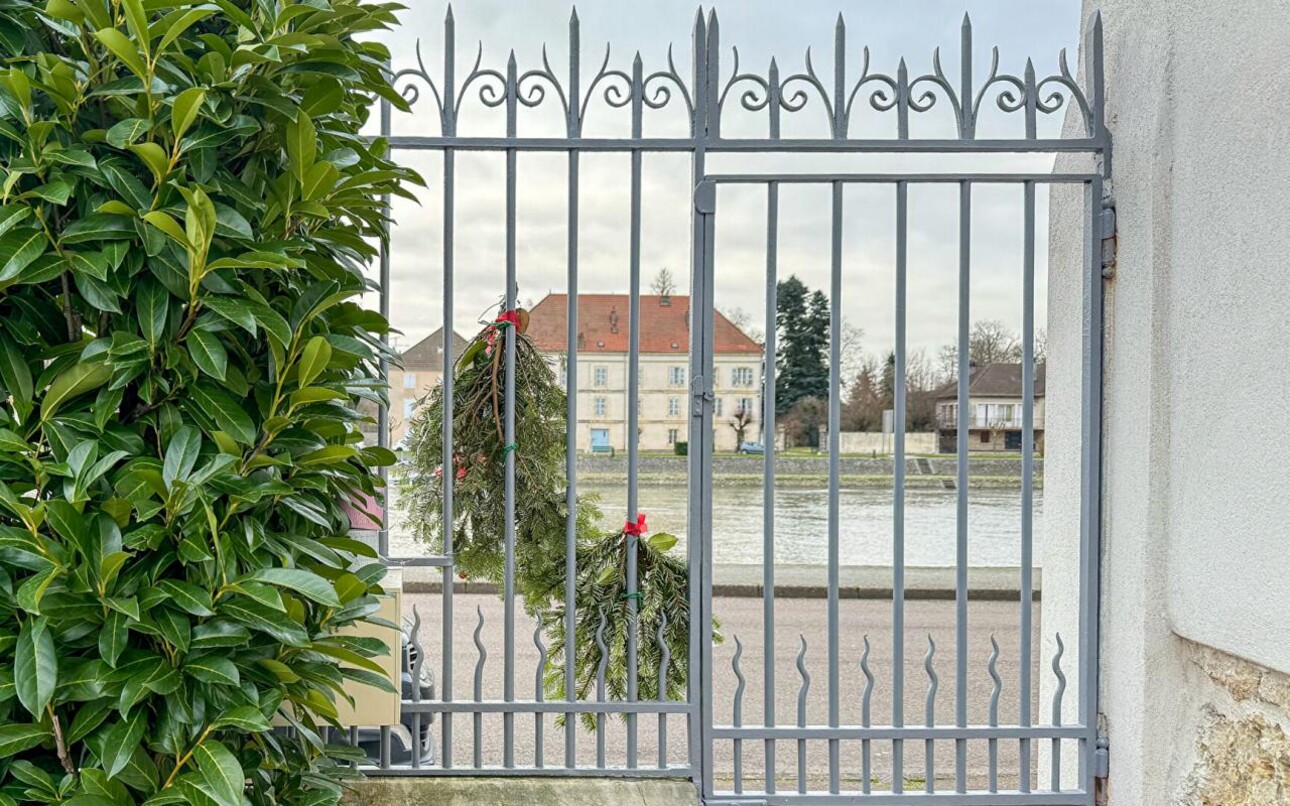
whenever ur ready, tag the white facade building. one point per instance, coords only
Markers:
(664, 405)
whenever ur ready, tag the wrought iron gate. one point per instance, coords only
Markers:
(711, 87)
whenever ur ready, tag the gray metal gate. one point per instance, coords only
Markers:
(703, 94)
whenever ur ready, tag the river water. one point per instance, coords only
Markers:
(801, 524)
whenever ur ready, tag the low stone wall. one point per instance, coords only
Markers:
(1241, 716)
(878, 442)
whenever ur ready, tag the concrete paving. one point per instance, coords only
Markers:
(520, 792)
(795, 619)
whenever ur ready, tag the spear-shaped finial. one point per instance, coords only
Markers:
(447, 17)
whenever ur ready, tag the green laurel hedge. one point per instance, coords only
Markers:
(188, 211)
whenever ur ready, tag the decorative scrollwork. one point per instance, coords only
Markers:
(409, 78)
(530, 89)
(618, 87)
(658, 87)
(797, 99)
(754, 98)
(1011, 98)
(898, 92)
(493, 89)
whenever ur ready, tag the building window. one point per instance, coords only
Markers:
(600, 406)
(672, 435)
(716, 407)
(673, 406)
(741, 376)
(600, 376)
(746, 405)
(985, 437)
(676, 376)
(408, 408)
(410, 380)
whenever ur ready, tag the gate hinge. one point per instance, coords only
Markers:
(1101, 769)
(700, 392)
(1107, 225)
(1102, 759)
(705, 197)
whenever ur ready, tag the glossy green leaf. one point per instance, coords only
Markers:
(213, 669)
(221, 771)
(228, 413)
(121, 47)
(18, 248)
(313, 360)
(302, 146)
(298, 580)
(17, 738)
(188, 596)
(208, 353)
(35, 669)
(187, 105)
(77, 380)
(154, 308)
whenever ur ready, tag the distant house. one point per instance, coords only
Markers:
(994, 410)
(422, 370)
(664, 404)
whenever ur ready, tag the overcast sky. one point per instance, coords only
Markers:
(760, 29)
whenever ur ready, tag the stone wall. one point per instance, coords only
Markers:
(1240, 715)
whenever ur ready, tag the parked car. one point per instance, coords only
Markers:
(752, 447)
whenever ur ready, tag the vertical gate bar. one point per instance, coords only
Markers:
(768, 475)
(383, 411)
(898, 503)
(508, 614)
(1090, 486)
(960, 568)
(1027, 472)
(967, 122)
(695, 735)
(571, 404)
(449, 257)
(707, 126)
(835, 470)
(633, 401)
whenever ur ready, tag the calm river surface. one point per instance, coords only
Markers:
(801, 524)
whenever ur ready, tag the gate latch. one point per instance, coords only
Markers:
(700, 392)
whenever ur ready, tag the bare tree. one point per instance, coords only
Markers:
(744, 321)
(852, 349)
(663, 284)
(989, 342)
(741, 422)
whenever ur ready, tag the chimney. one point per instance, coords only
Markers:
(613, 320)
(665, 300)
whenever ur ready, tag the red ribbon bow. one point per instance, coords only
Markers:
(509, 317)
(636, 529)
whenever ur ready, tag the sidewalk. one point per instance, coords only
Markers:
(811, 582)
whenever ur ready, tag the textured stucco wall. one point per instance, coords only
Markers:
(1195, 550)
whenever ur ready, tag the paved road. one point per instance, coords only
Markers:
(795, 618)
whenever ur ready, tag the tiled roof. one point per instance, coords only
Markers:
(994, 380)
(603, 325)
(427, 354)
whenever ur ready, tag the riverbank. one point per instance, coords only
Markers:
(796, 470)
(811, 582)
